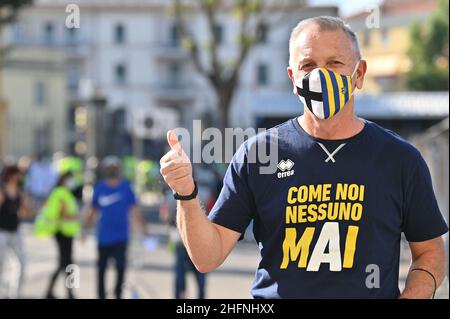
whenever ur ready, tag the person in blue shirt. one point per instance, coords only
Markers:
(113, 199)
(329, 215)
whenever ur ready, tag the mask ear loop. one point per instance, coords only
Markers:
(354, 71)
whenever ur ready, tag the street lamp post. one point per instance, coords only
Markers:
(96, 127)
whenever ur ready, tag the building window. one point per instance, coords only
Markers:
(39, 93)
(71, 36)
(174, 36)
(384, 33)
(18, 32)
(49, 33)
(263, 34)
(73, 76)
(174, 75)
(366, 39)
(119, 34)
(119, 119)
(263, 76)
(120, 74)
(218, 33)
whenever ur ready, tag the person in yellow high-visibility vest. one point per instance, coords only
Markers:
(59, 218)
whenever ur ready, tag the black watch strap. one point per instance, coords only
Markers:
(187, 197)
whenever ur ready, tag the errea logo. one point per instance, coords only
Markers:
(286, 168)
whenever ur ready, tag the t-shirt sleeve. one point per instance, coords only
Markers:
(95, 202)
(131, 196)
(422, 219)
(234, 208)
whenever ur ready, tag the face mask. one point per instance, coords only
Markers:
(71, 183)
(111, 173)
(325, 92)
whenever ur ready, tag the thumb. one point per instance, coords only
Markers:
(172, 139)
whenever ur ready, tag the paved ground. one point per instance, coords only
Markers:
(150, 274)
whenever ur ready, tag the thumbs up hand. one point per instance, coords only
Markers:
(176, 168)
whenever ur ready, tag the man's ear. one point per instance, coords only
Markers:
(291, 76)
(290, 73)
(361, 73)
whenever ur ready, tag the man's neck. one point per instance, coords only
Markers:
(341, 126)
(112, 182)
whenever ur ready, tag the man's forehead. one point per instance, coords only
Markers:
(313, 43)
(328, 56)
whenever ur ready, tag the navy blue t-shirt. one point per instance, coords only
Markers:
(331, 216)
(114, 203)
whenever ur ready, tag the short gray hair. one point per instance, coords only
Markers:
(325, 23)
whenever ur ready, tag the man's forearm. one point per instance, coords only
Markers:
(139, 219)
(201, 238)
(89, 218)
(419, 283)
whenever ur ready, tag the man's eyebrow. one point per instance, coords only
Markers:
(334, 57)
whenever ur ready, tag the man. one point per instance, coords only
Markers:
(41, 179)
(329, 222)
(113, 198)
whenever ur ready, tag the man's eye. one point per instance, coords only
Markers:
(337, 62)
(307, 66)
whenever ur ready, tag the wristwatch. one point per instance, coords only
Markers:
(187, 197)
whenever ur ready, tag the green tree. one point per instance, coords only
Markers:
(253, 20)
(429, 52)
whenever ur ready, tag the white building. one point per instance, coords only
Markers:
(129, 52)
(36, 104)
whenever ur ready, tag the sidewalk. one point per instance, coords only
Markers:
(150, 273)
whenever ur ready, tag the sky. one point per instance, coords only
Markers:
(347, 7)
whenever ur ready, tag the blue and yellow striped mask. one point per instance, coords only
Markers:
(325, 92)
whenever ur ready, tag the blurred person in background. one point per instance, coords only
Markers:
(74, 165)
(113, 199)
(60, 215)
(168, 214)
(13, 209)
(40, 180)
